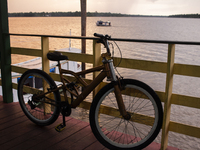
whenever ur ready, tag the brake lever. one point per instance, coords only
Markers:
(107, 36)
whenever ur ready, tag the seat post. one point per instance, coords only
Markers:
(60, 72)
(59, 67)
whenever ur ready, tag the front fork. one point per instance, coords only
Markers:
(120, 101)
(117, 89)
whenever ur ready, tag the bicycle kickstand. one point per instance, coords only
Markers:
(61, 126)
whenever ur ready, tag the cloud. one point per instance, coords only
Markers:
(114, 6)
(153, 0)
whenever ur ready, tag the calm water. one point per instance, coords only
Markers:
(131, 28)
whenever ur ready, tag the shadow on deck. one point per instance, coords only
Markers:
(18, 132)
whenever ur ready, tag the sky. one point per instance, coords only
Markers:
(142, 7)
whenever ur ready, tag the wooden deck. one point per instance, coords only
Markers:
(18, 133)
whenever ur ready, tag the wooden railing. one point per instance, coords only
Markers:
(169, 68)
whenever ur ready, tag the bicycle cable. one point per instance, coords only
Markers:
(113, 57)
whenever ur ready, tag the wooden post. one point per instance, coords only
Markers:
(168, 92)
(45, 50)
(96, 61)
(5, 50)
(45, 67)
(83, 28)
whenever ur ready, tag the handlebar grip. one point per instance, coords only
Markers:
(98, 35)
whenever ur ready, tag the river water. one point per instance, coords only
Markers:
(173, 29)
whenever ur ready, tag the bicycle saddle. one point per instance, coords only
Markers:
(56, 56)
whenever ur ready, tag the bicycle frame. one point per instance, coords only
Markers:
(107, 71)
(88, 87)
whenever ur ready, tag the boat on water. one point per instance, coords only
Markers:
(36, 63)
(103, 23)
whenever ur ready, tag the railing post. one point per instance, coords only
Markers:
(83, 27)
(45, 50)
(168, 95)
(5, 54)
(45, 66)
(96, 61)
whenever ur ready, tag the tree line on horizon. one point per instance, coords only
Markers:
(64, 14)
(91, 14)
(73, 14)
(186, 16)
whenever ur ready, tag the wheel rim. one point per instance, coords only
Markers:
(37, 110)
(127, 133)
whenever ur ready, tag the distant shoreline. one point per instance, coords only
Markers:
(93, 14)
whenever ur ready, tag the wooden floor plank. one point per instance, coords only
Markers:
(11, 117)
(7, 105)
(85, 142)
(9, 126)
(64, 136)
(95, 146)
(9, 110)
(21, 140)
(76, 139)
(71, 127)
(40, 134)
(15, 131)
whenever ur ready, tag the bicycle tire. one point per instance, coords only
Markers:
(113, 131)
(43, 111)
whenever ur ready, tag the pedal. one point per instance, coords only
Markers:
(60, 127)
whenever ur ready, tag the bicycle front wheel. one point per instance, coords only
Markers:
(115, 132)
(40, 108)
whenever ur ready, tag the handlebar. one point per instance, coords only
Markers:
(102, 36)
(104, 40)
(98, 35)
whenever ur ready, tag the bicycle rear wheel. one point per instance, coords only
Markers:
(115, 132)
(43, 110)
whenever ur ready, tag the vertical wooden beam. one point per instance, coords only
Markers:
(45, 67)
(45, 50)
(5, 50)
(96, 61)
(83, 28)
(168, 92)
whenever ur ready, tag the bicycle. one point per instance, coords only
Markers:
(124, 114)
